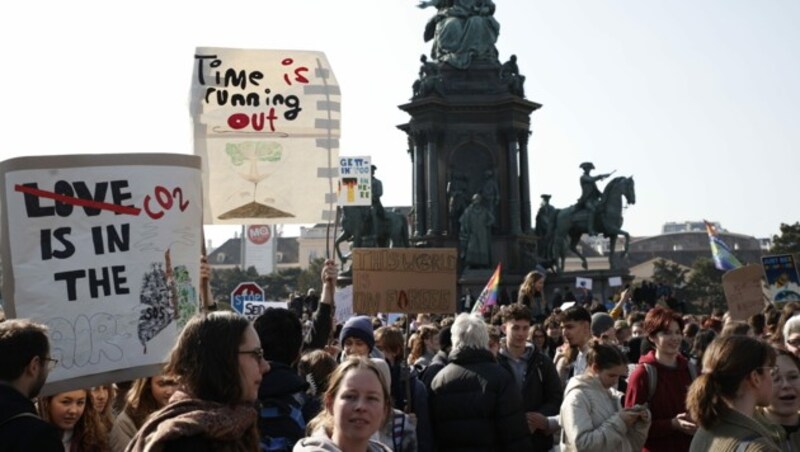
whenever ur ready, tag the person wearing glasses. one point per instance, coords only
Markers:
(791, 335)
(738, 373)
(219, 364)
(782, 416)
(24, 364)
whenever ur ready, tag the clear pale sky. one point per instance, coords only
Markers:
(698, 100)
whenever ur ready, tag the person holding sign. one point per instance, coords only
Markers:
(24, 364)
(219, 364)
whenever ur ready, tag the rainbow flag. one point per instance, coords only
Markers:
(723, 257)
(488, 296)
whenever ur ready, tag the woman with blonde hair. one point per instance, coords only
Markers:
(737, 377)
(356, 405)
(146, 396)
(74, 415)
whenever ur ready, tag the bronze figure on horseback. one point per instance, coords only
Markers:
(594, 213)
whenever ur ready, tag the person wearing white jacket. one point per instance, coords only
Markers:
(592, 418)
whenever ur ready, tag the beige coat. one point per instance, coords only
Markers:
(590, 420)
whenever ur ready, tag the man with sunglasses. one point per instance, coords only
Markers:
(24, 364)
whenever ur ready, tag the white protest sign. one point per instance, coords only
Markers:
(343, 300)
(743, 291)
(583, 283)
(615, 281)
(355, 181)
(266, 123)
(104, 249)
(260, 248)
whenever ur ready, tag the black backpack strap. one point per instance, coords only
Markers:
(19, 416)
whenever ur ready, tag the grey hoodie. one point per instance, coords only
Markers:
(320, 442)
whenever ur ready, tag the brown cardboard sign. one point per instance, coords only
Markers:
(409, 280)
(743, 291)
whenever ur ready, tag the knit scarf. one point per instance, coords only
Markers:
(186, 417)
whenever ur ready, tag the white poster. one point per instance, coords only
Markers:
(260, 248)
(615, 281)
(355, 181)
(343, 300)
(105, 250)
(583, 283)
(267, 124)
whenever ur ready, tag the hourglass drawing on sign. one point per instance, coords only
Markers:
(256, 161)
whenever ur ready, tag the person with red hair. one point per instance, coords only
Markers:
(671, 429)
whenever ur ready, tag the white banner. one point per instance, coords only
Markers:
(105, 250)
(583, 283)
(260, 246)
(355, 181)
(267, 124)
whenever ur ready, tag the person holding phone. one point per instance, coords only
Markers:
(591, 416)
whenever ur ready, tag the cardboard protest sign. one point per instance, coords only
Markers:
(743, 291)
(355, 181)
(782, 279)
(583, 283)
(408, 280)
(266, 123)
(105, 250)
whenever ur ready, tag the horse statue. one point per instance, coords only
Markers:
(356, 225)
(571, 223)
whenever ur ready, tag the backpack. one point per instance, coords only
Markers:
(652, 377)
(281, 424)
(19, 416)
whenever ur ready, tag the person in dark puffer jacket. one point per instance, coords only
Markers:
(475, 403)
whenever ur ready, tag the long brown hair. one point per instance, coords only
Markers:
(89, 433)
(528, 284)
(727, 362)
(140, 403)
(107, 415)
(206, 357)
(325, 418)
(206, 361)
(424, 333)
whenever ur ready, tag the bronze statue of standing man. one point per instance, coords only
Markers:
(590, 195)
(378, 215)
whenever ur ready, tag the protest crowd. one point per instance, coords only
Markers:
(530, 375)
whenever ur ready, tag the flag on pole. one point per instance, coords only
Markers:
(488, 296)
(723, 257)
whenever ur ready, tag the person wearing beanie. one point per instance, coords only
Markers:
(603, 327)
(357, 338)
